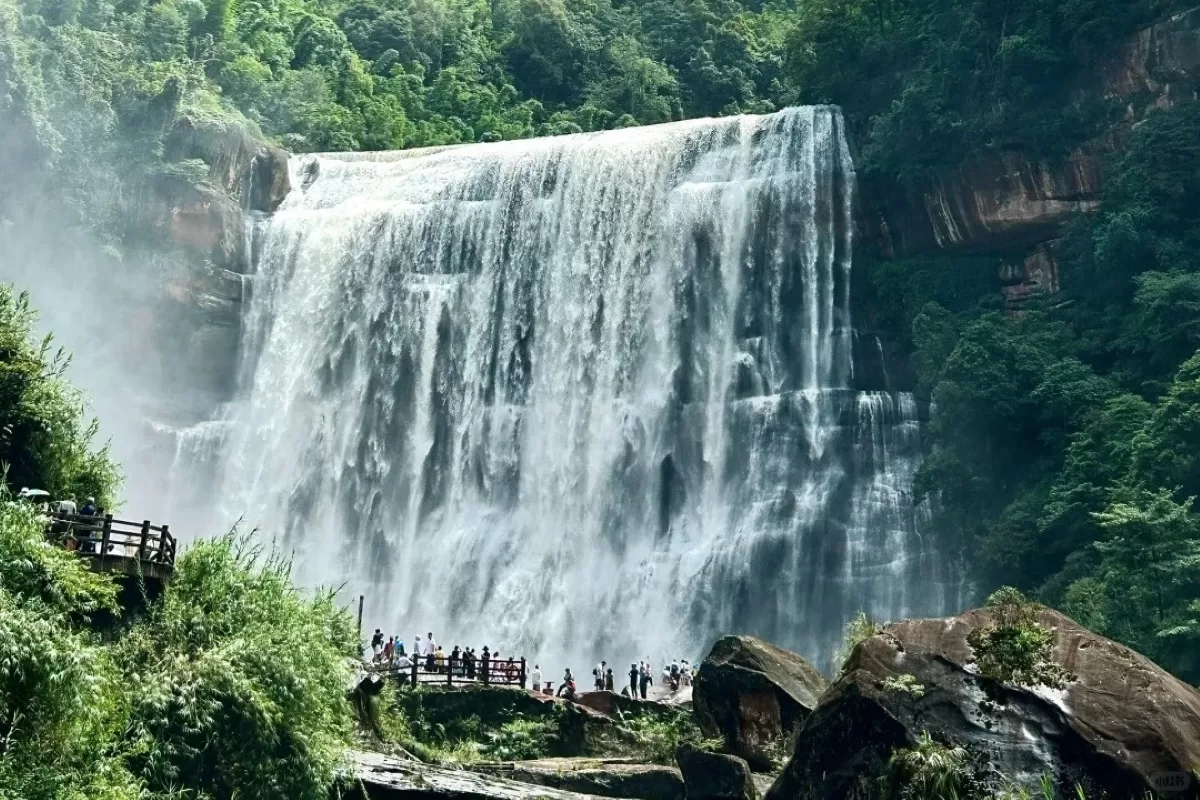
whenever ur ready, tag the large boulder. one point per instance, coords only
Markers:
(715, 776)
(753, 694)
(601, 777)
(612, 704)
(1120, 728)
(378, 777)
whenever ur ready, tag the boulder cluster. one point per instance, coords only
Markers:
(1118, 726)
(1106, 723)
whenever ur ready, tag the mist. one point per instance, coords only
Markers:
(108, 308)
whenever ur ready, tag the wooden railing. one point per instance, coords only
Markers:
(108, 538)
(449, 672)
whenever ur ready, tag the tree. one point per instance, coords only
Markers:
(1149, 577)
(46, 441)
(638, 84)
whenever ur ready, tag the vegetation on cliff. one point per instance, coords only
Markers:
(1065, 441)
(47, 441)
(233, 685)
(95, 87)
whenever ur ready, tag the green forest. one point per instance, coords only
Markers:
(1064, 450)
(1066, 440)
(92, 86)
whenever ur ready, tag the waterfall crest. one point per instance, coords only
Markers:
(582, 396)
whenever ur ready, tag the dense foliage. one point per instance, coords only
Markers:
(46, 441)
(932, 82)
(235, 686)
(94, 87)
(1066, 438)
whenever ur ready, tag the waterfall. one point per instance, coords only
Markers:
(580, 397)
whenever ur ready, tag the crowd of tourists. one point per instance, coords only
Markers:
(429, 656)
(486, 665)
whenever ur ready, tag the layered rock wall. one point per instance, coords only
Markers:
(1016, 204)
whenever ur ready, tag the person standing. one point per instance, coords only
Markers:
(645, 679)
(598, 677)
(376, 645)
(633, 680)
(430, 651)
(535, 678)
(389, 649)
(608, 679)
(485, 663)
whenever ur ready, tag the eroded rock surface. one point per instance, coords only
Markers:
(603, 777)
(380, 777)
(1119, 729)
(1011, 201)
(752, 694)
(715, 776)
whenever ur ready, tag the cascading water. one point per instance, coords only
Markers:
(583, 396)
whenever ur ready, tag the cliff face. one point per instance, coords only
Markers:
(208, 221)
(1012, 203)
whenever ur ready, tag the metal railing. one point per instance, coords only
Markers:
(451, 672)
(106, 537)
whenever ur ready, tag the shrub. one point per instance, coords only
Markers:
(905, 684)
(927, 771)
(239, 680)
(858, 630)
(658, 735)
(46, 439)
(1016, 649)
(521, 739)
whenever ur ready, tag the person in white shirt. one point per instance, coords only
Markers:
(536, 678)
(403, 662)
(430, 649)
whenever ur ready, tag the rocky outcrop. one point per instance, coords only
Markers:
(380, 777)
(1007, 202)
(240, 165)
(1159, 65)
(1121, 728)
(203, 226)
(752, 694)
(611, 703)
(1011, 202)
(601, 777)
(715, 776)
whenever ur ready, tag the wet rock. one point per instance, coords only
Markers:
(715, 776)
(205, 219)
(1120, 729)
(602, 777)
(611, 703)
(380, 777)
(240, 165)
(752, 694)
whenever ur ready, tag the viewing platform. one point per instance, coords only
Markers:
(133, 549)
(503, 672)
